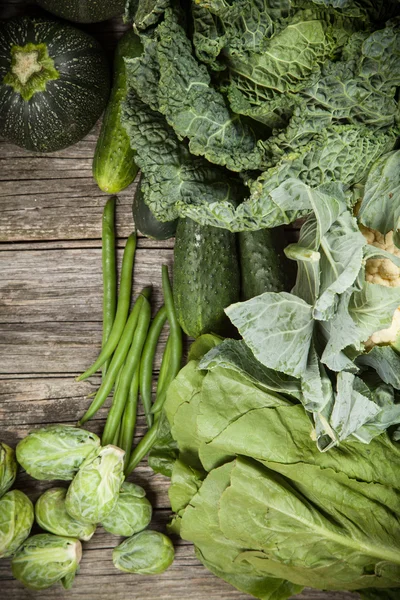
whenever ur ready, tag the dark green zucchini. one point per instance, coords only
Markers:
(206, 277)
(147, 223)
(84, 11)
(114, 165)
(54, 83)
(263, 265)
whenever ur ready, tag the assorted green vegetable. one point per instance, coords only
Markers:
(281, 441)
(98, 493)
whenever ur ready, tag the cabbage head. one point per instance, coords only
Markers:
(16, 520)
(147, 553)
(8, 468)
(94, 491)
(52, 516)
(55, 452)
(46, 559)
(132, 512)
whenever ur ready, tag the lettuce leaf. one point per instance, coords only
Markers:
(237, 356)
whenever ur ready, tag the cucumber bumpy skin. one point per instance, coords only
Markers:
(206, 277)
(263, 266)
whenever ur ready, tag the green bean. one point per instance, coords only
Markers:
(128, 422)
(164, 366)
(131, 365)
(109, 272)
(176, 341)
(124, 300)
(115, 440)
(146, 363)
(118, 358)
(143, 447)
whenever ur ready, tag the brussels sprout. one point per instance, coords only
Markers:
(45, 559)
(8, 468)
(52, 516)
(16, 520)
(131, 514)
(148, 552)
(94, 491)
(56, 452)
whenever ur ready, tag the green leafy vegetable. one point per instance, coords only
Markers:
(16, 520)
(265, 509)
(94, 491)
(52, 516)
(132, 512)
(56, 451)
(8, 468)
(147, 553)
(46, 559)
(321, 79)
(306, 344)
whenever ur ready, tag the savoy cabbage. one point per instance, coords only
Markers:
(270, 89)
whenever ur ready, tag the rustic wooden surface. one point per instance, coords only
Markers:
(50, 330)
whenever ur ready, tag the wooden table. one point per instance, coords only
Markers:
(50, 330)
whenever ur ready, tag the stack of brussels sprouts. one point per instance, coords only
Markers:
(97, 494)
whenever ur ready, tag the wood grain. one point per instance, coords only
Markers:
(50, 330)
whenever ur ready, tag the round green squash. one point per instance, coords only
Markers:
(54, 83)
(84, 11)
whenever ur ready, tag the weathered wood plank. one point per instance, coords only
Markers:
(25, 403)
(46, 348)
(66, 285)
(64, 208)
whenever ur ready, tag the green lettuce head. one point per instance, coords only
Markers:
(52, 516)
(16, 520)
(45, 559)
(132, 512)
(8, 468)
(94, 491)
(56, 452)
(147, 553)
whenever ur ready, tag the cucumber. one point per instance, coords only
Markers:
(263, 265)
(146, 222)
(114, 165)
(206, 277)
